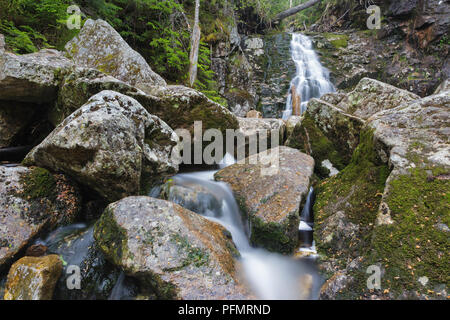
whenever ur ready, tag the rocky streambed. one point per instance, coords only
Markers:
(97, 210)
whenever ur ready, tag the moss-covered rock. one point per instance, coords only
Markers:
(111, 145)
(389, 207)
(101, 47)
(32, 200)
(33, 278)
(173, 252)
(271, 200)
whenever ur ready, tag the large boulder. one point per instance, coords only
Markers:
(271, 199)
(79, 85)
(111, 144)
(33, 278)
(371, 96)
(389, 208)
(32, 200)
(174, 252)
(180, 107)
(32, 77)
(101, 47)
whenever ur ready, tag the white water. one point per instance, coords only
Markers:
(311, 80)
(270, 275)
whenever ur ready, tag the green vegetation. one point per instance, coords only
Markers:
(38, 183)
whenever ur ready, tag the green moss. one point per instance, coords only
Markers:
(111, 237)
(337, 40)
(195, 256)
(309, 139)
(38, 183)
(272, 236)
(413, 246)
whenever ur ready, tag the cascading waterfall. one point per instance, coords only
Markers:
(312, 79)
(269, 275)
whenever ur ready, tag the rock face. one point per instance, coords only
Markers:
(100, 47)
(384, 209)
(33, 278)
(31, 77)
(111, 144)
(174, 252)
(14, 118)
(31, 201)
(271, 202)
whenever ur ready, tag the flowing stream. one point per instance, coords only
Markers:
(270, 275)
(312, 80)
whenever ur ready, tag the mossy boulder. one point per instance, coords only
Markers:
(173, 252)
(32, 77)
(111, 145)
(270, 189)
(101, 47)
(32, 200)
(337, 40)
(389, 207)
(33, 278)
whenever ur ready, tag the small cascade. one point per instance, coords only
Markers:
(269, 275)
(305, 229)
(312, 80)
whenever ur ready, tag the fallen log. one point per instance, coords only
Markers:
(291, 11)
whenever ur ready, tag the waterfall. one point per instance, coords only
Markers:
(311, 79)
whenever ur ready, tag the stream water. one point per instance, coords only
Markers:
(270, 275)
(312, 80)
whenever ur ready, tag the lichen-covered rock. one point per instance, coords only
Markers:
(174, 252)
(101, 47)
(33, 278)
(32, 200)
(443, 87)
(254, 130)
(32, 77)
(371, 96)
(291, 123)
(79, 85)
(180, 107)
(111, 144)
(272, 202)
(384, 209)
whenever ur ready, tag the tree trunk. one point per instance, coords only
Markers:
(294, 10)
(195, 45)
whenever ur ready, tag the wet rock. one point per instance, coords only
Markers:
(32, 200)
(270, 190)
(100, 47)
(98, 277)
(111, 144)
(33, 278)
(31, 77)
(36, 250)
(174, 252)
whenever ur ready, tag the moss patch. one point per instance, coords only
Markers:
(337, 40)
(38, 183)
